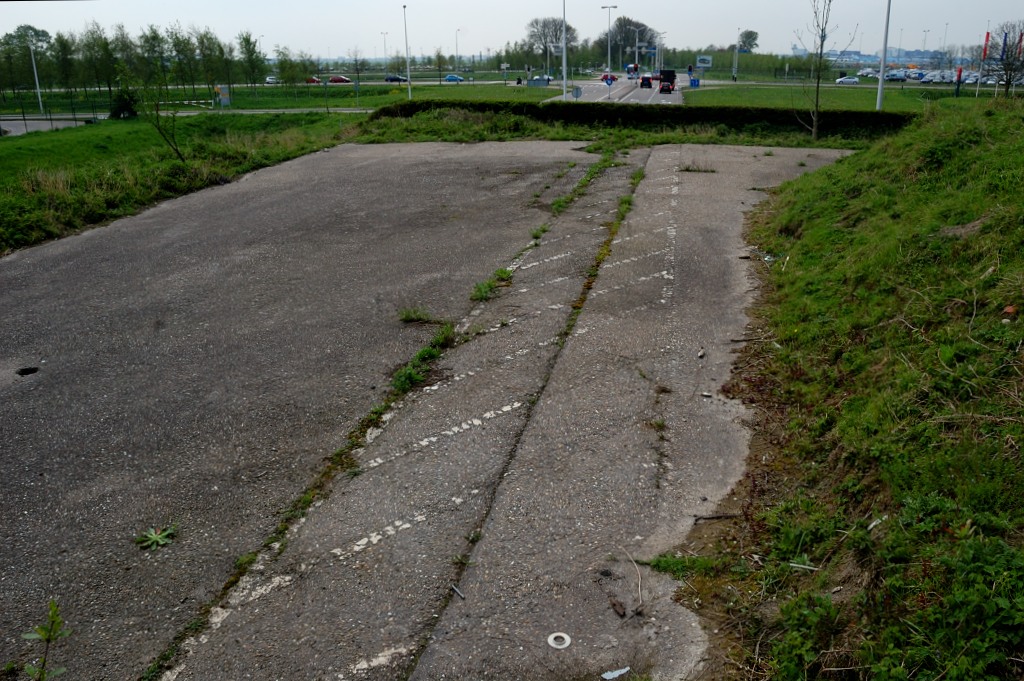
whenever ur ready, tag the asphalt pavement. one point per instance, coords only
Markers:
(195, 365)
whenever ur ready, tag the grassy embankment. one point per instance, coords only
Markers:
(897, 96)
(55, 183)
(878, 533)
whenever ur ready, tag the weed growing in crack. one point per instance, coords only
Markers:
(445, 337)
(414, 315)
(484, 291)
(539, 232)
(695, 167)
(407, 378)
(52, 631)
(244, 561)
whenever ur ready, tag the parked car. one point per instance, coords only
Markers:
(848, 80)
(314, 79)
(394, 78)
(896, 76)
(609, 77)
(646, 80)
(545, 77)
(453, 78)
(271, 80)
(338, 79)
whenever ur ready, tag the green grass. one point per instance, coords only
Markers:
(913, 98)
(87, 104)
(54, 183)
(415, 315)
(894, 377)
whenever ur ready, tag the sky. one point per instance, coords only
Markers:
(331, 30)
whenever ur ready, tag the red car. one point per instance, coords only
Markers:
(313, 79)
(338, 79)
(606, 77)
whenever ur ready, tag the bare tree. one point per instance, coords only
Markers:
(359, 64)
(543, 33)
(821, 14)
(441, 61)
(1005, 52)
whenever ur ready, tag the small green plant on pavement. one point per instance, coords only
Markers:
(156, 537)
(415, 315)
(48, 633)
(484, 290)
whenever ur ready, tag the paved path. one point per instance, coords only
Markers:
(200, 359)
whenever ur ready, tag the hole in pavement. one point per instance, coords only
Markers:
(27, 371)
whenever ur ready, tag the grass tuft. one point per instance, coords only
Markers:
(887, 522)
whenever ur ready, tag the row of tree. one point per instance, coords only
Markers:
(197, 59)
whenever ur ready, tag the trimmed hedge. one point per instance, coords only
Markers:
(855, 124)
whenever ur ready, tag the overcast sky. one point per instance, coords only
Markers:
(332, 29)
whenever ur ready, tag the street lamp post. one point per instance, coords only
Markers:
(881, 67)
(609, 8)
(736, 57)
(636, 52)
(35, 73)
(385, 34)
(945, 45)
(408, 67)
(565, 58)
(457, 50)
(924, 45)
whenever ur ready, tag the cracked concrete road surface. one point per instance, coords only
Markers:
(196, 364)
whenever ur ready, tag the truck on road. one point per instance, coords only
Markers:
(668, 81)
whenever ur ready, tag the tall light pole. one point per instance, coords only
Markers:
(565, 58)
(885, 49)
(924, 45)
(385, 34)
(899, 50)
(945, 45)
(736, 57)
(408, 67)
(457, 50)
(35, 74)
(636, 52)
(609, 8)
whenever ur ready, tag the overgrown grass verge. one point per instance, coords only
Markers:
(881, 537)
(58, 182)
